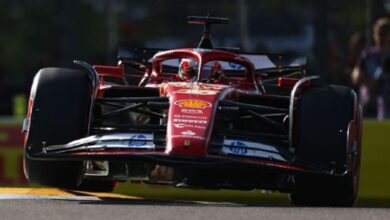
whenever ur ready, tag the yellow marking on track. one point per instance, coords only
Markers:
(59, 192)
(109, 195)
(35, 191)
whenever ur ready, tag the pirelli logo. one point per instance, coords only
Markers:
(190, 103)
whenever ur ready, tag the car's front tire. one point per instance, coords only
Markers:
(321, 134)
(58, 113)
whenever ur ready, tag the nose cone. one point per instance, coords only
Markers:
(191, 117)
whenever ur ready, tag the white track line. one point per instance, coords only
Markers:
(26, 196)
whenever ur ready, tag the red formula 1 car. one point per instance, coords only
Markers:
(198, 117)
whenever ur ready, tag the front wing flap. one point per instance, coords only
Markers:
(141, 147)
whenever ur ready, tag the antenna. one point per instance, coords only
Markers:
(206, 21)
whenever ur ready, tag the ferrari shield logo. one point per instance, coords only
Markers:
(187, 144)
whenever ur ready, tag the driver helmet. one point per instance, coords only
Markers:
(188, 69)
(216, 70)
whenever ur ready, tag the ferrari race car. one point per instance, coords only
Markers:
(196, 117)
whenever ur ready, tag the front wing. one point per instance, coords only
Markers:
(142, 147)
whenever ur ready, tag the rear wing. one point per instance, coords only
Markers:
(261, 61)
(268, 66)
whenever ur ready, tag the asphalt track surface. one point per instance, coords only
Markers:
(29, 203)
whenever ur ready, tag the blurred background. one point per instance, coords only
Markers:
(334, 35)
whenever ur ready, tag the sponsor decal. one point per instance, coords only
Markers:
(191, 111)
(213, 87)
(179, 120)
(187, 86)
(259, 146)
(194, 117)
(235, 66)
(179, 125)
(190, 116)
(186, 136)
(187, 144)
(189, 126)
(191, 103)
(137, 140)
(238, 147)
(181, 85)
(197, 91)
(188, 132)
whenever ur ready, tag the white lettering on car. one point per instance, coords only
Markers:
(189, 121)
(192, 111)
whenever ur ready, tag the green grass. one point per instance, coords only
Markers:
(375, 166)
(171, 193)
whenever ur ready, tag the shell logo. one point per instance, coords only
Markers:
(187, 103)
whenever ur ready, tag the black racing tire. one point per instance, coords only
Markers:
(58, 114)
(321, 122)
